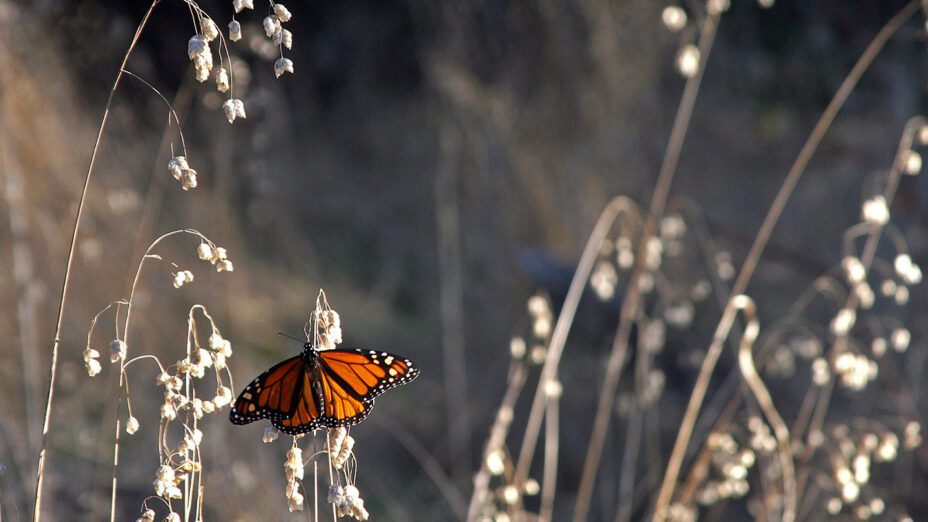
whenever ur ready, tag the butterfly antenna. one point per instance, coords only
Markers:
(291, 337)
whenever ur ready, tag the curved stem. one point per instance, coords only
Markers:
(40, 473)
(760, 242)
(562, 328)
(632, 299)
(123, 363)
(762, 395)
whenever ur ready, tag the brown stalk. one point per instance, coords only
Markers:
(40, 473)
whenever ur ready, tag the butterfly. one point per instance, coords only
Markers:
(321, 388)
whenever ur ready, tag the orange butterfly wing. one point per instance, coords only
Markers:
(305, 416)
(338, 391)
(272, 395)
(349, 380)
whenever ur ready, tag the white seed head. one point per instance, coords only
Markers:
(205, 252)
(209, 28)
(93, 367)
(674, 18)
(820, 372)
(224, 266)
(240, 5)
(495, 462)
(202, 65)
(875, 210)
(197, 46)
(912, 163)
(271, 25)
(189, 179)
(168, 412)
(865, 295)
(223, 396)
(854, 269)
(538, 306)
(900, 339)
(182, 277)
(177, 165)
(688, 61)
(285, 39)
(283, 65)
(283, 14)
(233, 108)
(717, 6)
(843, 321)
(117, 350)
(553, 388)
(235, 31)
(222, 79)
(132, 425)
(878, 347)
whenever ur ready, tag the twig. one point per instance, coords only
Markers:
(40, 473)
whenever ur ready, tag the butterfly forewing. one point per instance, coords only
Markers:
(367, 373)
(272, 395)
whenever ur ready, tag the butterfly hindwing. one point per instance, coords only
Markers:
(305, 415)
(272, 395)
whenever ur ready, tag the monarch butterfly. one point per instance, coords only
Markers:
(321, 388)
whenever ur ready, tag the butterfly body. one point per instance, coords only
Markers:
(321, 388)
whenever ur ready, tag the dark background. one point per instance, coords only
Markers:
(535, 113)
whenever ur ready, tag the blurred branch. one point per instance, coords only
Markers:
(451, 294)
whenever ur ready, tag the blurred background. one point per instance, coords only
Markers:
(431, 165)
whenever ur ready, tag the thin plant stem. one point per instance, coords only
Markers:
(632, 299)
(565, 319)
(40, 473)
(122, 362)
(451, 297)
(549, 471)
(429, 464)
(517, 376)
(762, 395)
(760, 242)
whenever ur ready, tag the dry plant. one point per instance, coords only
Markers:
(818, 462)
(180, 472)
(748, 453)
